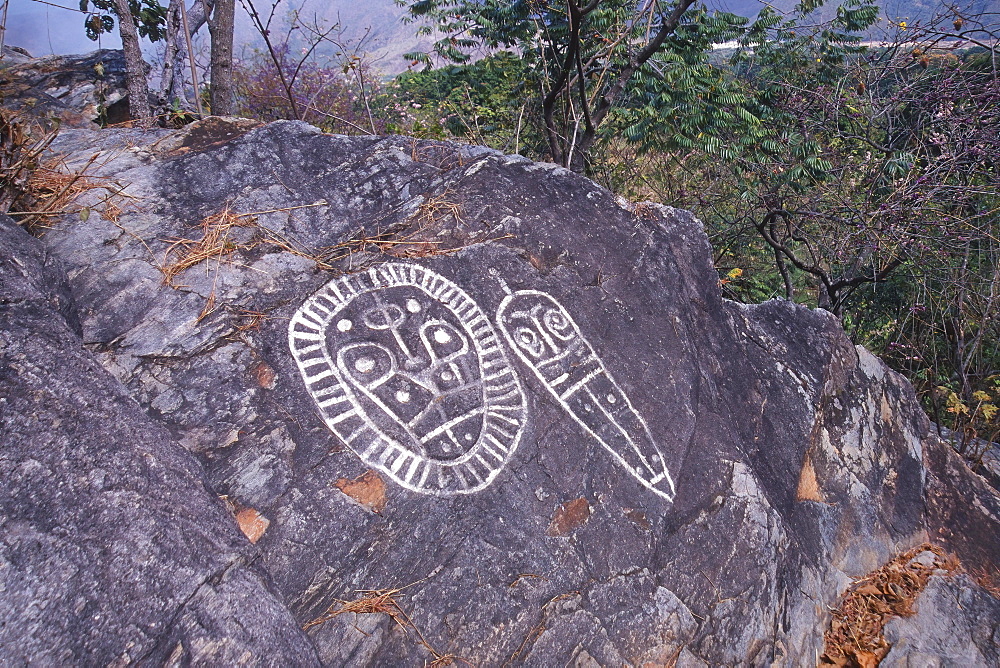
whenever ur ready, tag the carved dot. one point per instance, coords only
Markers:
(413, 306)
(364, 364)
(468, 437)
(612, 399)
(344, 325)
(442, 336)
(447, 375)
(402, 396)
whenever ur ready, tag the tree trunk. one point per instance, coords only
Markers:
(221, 27)
(135, 68)
(172, 81)
(171, 77)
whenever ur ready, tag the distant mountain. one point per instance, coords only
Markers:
(910, 11)
(390, 37)
(43, 28)
(376, 24)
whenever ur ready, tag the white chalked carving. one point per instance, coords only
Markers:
(549, 342)
(407, 370)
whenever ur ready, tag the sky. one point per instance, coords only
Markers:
(56, 26)
(44, 29)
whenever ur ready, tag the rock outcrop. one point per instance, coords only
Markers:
(460, 404)
(72, 91)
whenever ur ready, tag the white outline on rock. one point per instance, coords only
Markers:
(549, 342)
(340, 397)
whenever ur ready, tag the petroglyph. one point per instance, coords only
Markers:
(549, 342)
(407, 370)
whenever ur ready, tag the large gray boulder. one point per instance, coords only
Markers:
(112, 550)
(483, 382)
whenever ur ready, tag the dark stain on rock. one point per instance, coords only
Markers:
(638, 518)
(212, 132)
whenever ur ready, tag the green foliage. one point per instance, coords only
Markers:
(149, 15)
(589, 60)
(860, 180)
(486, 102)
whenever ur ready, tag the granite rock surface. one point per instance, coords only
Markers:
(478, 380)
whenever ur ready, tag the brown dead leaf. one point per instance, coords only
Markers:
(855, 634)
(808, 489)
(368, 490)
(265, 375)
(638, 517)
(252, 524)
(569, 516)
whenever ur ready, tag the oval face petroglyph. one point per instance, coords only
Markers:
(548, 341)
(410, 374)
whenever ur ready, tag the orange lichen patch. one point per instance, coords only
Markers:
(252, 524)
(808, 489)
(368, 490)
(264, 375)
(855, 634)
(570, 516)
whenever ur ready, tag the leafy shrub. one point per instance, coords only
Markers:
(332, 97)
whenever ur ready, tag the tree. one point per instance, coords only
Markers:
(221, 27)
(135, 68)
(176, 35)
(593, 55)
(149, 15)
(863, 180)
(174, 25)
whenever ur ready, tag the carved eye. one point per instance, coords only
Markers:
(557, 323)
(529, 341)
(442, 340)
(384, 316)
(368, 363)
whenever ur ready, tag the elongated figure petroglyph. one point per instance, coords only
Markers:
(549, 342)
(407, 370)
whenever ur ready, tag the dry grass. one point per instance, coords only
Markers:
(434, 211)
(22, 144)
(988, 580)
(214, 244)
(112, 212)
(855, 635)
(33, 191)
(217, 241)
(645, 211)
(383, 602)
(441, 156)
(249, 321)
